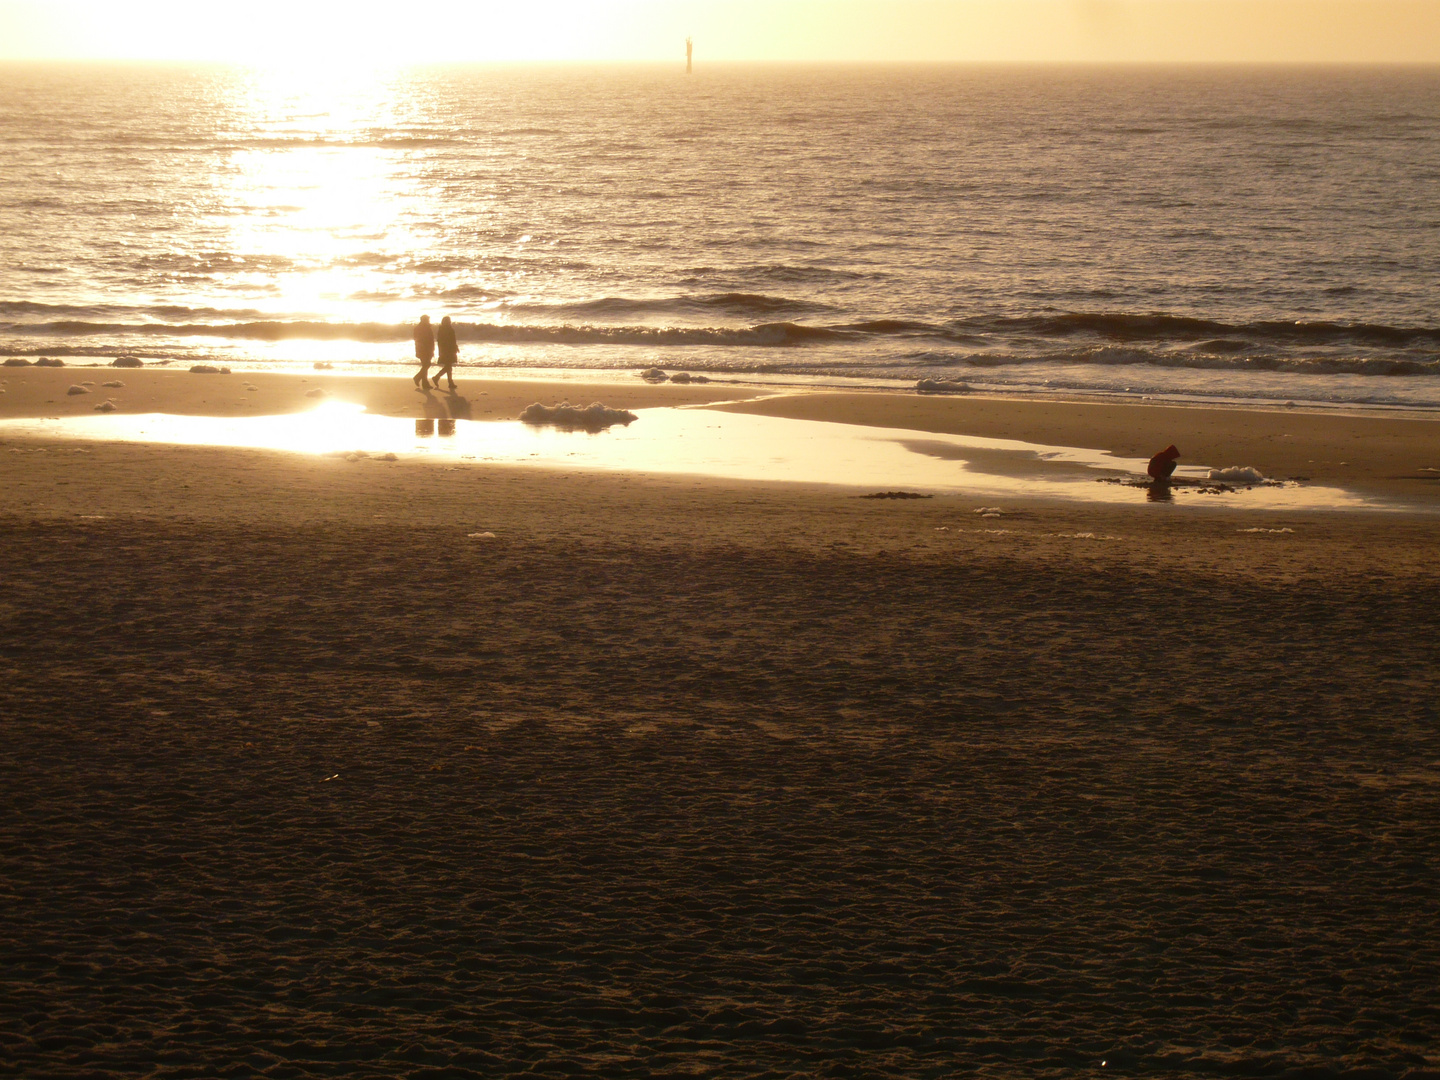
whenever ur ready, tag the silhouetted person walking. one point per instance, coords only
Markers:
(449, 352)
(424, 349)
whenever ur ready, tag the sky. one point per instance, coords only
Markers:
(967, 31)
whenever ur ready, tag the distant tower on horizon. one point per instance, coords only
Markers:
(689, 52)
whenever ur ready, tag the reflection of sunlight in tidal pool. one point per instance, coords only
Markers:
(690, 442)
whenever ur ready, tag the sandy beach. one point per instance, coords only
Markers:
(321, 767)
(1394, 455)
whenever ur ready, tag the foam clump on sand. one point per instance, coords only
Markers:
(114, 384)
(594, 417)
(1258, 529)
(209, 369)
(16, 361)
(653, 374)
(127, 362)
(942, 386)
(316, 393)
(480, 536)
(78, 390)
(686, 377)
(46, 361)
(105, 406)
(1237, 474)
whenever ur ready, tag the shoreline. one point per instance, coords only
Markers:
(770, 381)
(1393, 458)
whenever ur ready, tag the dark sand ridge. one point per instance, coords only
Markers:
(676, 777)
(1395, 457)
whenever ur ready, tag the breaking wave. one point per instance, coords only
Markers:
(764, 321)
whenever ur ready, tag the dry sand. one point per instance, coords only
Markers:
(675, 777)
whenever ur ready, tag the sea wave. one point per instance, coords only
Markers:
(739, 305)
(763, 318)
(770, 334)
(1120, 326)
(977, 342)
(1115, 357)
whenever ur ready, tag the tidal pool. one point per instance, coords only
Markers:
(703, 442)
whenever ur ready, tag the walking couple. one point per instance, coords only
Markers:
(427, 337)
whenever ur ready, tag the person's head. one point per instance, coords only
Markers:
(424, 318)
(445, 321)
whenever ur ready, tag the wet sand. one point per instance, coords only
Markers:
(1388, 456)
(307, 776)
(1395, 455)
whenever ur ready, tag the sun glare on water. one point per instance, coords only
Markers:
(316, 195)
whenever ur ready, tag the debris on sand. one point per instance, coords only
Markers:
(209, 369)
(77, 390)
(316, 393)
(127, 361)
(943, 386)
(113, 384)
(653, 375)
(593, 418)
(895, 495)
(105, 406)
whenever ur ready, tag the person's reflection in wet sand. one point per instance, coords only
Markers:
(425, 428)
(1159, 491)
(445, 428)
(459, 407)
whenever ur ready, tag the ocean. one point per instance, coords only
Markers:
(1237, 234)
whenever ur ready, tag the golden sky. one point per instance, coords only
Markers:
(327, 33)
